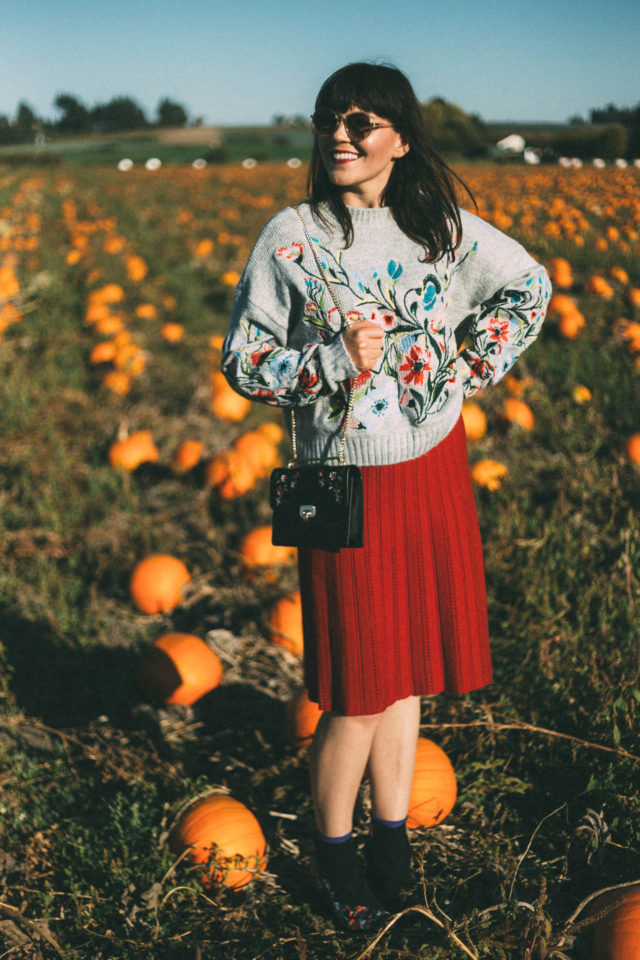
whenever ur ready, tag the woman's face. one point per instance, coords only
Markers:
(361, 168)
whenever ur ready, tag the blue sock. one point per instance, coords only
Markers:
(392, 824)
(326, 839)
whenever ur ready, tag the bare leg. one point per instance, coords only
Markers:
(339, 755)
(392, 759)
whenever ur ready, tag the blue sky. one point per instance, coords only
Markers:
(244, 61)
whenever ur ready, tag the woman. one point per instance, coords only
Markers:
(406, 615)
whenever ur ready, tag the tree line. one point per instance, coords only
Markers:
(610, 132)
(118, 115)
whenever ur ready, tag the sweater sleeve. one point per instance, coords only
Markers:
(501, 327)
(272, 352)
(506, 294)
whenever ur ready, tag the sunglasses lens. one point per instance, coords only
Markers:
(358, 125)
(325, 121)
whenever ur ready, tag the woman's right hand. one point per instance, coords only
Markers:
(364, 342)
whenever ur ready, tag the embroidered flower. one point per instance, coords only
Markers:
(260, 355)
(499, 330)
(429, 296)
(294, 252)
(416, 362)
(310, 308)
(353, 316)
(394, 270)
(308, 380)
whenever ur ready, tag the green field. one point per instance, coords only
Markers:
(92, 773)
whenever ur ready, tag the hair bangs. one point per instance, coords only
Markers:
(364, 86)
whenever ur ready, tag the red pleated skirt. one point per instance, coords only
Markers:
(406, 615)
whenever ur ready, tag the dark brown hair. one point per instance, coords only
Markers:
(421, 191)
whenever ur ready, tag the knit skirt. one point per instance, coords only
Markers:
(406, 614)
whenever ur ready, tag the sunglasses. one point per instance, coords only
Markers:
(357, 125)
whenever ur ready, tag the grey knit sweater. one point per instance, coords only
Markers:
(284, 345)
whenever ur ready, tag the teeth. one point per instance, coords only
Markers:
(346, 155)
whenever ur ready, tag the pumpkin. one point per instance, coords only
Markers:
(597, 286)
(179, 668)
(581, 394)
(118, 381)
(225, 835)
(631, 333)
(172, 332)
(285, 623)
(517, 411)
(475, 421)
(136, 268)
(259, 452)
(489, 474)
(230, 278)
(103, 352)
(302, 718)
(434, 787)
(617, 933)
(146, 311)
(633, 297)
(156, 583)
(619, 274)
(259, 553)
(570, 324)
(187, 456)
(136, 449)
(230, 474)
(225, 402)
(632, 447)
(560, 273)
(561, 303)
(272, 431)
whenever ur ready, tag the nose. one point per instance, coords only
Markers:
(341, 124)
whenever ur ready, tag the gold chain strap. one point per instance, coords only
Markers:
(347, 323)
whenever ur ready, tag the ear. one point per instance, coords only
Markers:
(401, 148)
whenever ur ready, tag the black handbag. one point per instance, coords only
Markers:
(318, 504)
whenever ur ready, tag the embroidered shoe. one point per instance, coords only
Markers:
(341, 879)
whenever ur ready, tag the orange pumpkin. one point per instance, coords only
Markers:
(118, 381)
(517, 411)
(302, 718)
(230, 474)
(259, 452)
(187, 456)
(172, 332)
(103, 352)
(259, 553)
(285, 623)
(560, 273)
(225, 835)
(597, 286)
(272, 431)
(136, 449)
(229, 405)
(434, 787)
(581, 394)
(617, 933)
(489, 474)
(179, 668)
(157, 582)
(475, 421)
(632, 448)
(570, 324)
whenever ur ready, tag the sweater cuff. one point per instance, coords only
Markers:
(336, 363)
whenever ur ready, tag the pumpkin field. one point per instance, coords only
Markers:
(154, 798)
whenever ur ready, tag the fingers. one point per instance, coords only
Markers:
(364, 342)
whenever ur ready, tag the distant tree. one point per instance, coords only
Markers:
(7, 133)
(75, 116)
(26, 123)
(613, 114)
(633, 144)
(171, 114)
(453, 130)
(119, 114)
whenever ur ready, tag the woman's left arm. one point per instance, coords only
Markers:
(501, 327)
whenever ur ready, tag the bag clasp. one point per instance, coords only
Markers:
(307, 511)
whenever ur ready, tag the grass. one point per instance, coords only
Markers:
(92, 775)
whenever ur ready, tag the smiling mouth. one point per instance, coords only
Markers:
(343, 156)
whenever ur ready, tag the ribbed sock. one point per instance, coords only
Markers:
(338, 863)
(388, 855)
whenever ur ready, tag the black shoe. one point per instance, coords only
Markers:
(388, 856)
(339, 874)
